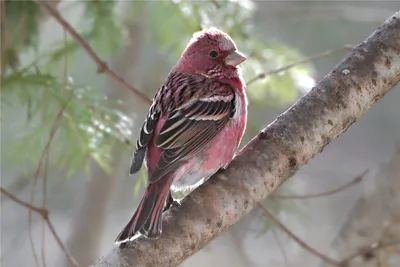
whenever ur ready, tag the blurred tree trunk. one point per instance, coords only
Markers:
(375, 219)
(90, 221)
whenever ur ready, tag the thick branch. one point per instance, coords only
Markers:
(273, 156)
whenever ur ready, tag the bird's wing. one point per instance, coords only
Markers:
(191, 125)
(146, 133)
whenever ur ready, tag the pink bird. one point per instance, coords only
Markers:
(193, 127)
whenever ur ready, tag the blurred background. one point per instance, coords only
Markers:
(52, 96)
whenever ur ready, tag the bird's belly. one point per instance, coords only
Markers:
(191, 179)
(215, 155)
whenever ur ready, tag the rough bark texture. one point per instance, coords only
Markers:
(295, 137)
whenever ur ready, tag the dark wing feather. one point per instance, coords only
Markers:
(189, 128)
(146, 132)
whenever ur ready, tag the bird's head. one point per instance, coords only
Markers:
(213, 54)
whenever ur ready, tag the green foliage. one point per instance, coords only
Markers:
(103, 24)
(164, 29)
(88, 128)
(22, 30)
(100, 27)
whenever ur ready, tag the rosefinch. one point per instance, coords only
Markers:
(193, 127)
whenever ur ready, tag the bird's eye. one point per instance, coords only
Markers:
(213, 54)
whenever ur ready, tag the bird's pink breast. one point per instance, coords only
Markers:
(220, 151)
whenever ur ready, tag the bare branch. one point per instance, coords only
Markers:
(44, 199)
(362, 252)
(44, 156)
(275, 154)
(369, 250)
(355, 181)
(300, 62)
(45, 214)
(300, 242)
(102, 66)
(70, 258)
(284, 256)
(39, 167)
(373, 219)
(40, 211)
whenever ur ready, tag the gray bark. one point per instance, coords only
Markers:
(273, 156)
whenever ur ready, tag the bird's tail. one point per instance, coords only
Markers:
(147, 218)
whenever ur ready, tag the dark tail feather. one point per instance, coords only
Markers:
(147, 219)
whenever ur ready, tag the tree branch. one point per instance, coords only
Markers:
(300, 242)
(366, 251)
(102, 66)
(42, 212)
(355, 181)
(303, 61)
(275, 154)
(45, 214)
(278, 242)
(45, 151)
(343, 263)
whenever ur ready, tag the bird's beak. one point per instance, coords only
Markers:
(234, 58)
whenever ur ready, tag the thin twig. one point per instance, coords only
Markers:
(285, 258)
(102, 66)
(65, 75)
(45, 214)
(39, 167)
(367, 251)
(71, 258)
(373, 247)
(3, 36)
(44, 193)
(42, 212)
(303, 244)
(355, 181)
(46, 168)
(305, 60)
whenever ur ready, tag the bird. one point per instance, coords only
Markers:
(193, 127)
